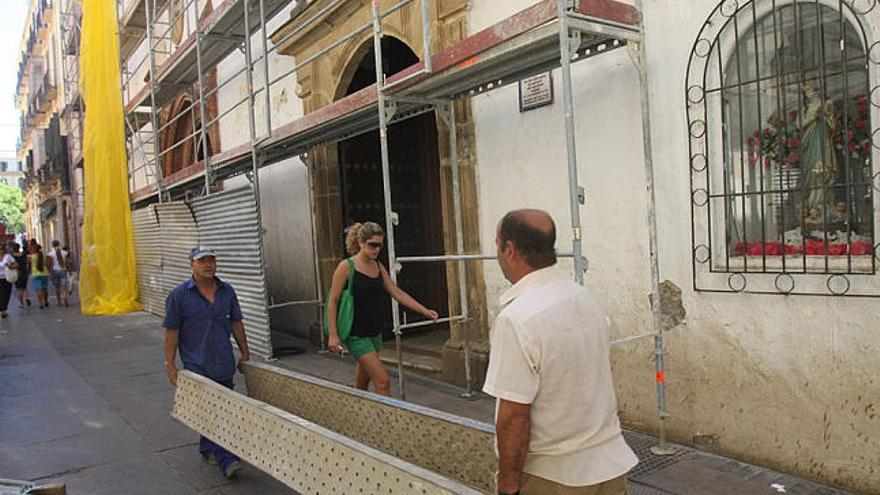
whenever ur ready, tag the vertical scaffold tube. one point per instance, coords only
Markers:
(204, 131)
(426, 35)
(268, 94)
(571, 150)
(252, 127)
(154, 119)
(386, 187)
(459, 246)
(651, 217)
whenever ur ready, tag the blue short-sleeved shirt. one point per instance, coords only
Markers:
(205, 328)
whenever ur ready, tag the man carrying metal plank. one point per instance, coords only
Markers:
(200, 315)
(557, 431)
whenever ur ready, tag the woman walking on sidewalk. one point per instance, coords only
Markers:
(58, 268)
(8, 263)
(371, 287)
(40, 274)
(24, 271)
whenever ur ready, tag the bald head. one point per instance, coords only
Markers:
(534, 235)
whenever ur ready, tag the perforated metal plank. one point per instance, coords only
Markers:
(302, 455)
(459, 448)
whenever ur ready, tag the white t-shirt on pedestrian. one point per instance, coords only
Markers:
(7, 260)
(551, 348)
(55, 266)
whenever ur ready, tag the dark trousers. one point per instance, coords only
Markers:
(208, 448)
(5, 293)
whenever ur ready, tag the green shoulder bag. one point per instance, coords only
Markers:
(345, 308)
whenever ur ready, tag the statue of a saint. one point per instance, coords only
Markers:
(819, 162)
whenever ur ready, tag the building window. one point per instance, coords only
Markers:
(780, 112)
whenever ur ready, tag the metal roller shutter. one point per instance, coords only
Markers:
(228, 222)
(149, 260)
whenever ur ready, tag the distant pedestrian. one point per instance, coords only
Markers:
(39, 274)
(7, 262)
(556, 423)
(58, 270)
(200, 316)
(371, 286)
(24, 271)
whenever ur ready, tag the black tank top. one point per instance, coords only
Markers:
(370, 305)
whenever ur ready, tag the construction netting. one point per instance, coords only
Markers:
(108, 283)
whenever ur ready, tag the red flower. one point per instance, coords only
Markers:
(792, 114)
(753, 158)
(795, 142)
(789, 249)
(754, 143)
(766, 132)
(863, 109)
(860, 248)
(859, 123)
(849, 135)
(837, 249)
(851, 146)
(860, 98)
(866, 147)
(766, 161)
(793, 157)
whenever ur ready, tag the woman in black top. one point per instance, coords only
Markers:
(371, 287)
(24, 272)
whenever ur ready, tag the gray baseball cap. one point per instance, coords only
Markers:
(200, 252)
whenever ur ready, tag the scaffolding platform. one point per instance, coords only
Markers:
(223, 30)
(524, 44)
(133, 25)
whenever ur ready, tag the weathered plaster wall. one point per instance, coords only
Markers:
(286, 106)
(789, 382)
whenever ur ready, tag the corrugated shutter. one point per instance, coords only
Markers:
(149, 260)
(179, 235)
(228, 223)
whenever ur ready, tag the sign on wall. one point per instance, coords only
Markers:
(535, 92)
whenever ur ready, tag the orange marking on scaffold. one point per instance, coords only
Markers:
(661, 377)
(464, 64)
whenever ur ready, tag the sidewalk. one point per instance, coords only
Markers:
(86, 402)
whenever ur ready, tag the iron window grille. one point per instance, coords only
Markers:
(781, 105)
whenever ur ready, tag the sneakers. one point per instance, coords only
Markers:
(232, 470)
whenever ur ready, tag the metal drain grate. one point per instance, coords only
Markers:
(650, 462)
(637, 489)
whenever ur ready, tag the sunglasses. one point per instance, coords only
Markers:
(374, 244)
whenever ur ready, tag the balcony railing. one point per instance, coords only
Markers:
(39, 26)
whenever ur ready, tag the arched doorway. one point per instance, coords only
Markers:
(415, 180)
(181, 141)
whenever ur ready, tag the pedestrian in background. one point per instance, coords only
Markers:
(24, 271)
(58, 270)
(39, 274)
(556, 424)
(371, 286)
(8, 263)
(200, 316)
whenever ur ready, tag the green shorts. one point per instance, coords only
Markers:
(361, 346)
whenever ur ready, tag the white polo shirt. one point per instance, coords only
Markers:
(551, 348)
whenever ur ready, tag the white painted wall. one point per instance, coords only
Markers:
(784, 381)
(285, 105)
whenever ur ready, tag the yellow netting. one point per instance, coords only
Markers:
(108, 283)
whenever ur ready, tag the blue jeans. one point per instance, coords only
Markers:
(208, 448)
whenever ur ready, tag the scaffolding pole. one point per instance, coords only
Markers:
(651, 217)
(154, 119)
(574, 191)
(390, 216)
(202, 116)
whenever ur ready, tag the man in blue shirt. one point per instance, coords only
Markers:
(200, 316)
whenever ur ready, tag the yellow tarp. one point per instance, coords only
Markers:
(108, 283)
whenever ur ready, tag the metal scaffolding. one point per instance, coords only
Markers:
(551, 34)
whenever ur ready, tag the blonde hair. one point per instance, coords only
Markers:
(360, 232)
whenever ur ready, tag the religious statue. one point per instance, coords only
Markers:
(819, 162)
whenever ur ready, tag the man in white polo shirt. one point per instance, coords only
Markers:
(557, 430)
